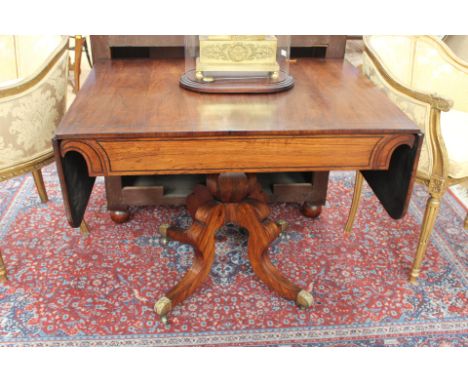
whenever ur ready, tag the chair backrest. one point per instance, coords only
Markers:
(459, 45)
(22, 56)
(32, 99)
(423, 63)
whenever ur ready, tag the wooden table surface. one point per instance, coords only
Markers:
(132, 118)
(142, 98)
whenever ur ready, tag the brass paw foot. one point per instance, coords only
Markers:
(162, 307)
(304, 299)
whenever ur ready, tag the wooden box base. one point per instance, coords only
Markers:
(127, 191)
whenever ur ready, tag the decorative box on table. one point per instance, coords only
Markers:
(237, 64)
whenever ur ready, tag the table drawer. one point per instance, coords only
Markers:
(211, 155)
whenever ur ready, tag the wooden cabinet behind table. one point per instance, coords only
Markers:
(309, 189)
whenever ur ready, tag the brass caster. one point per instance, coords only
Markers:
(3, 271)
(282, 224)
(163, 229)
(163, 306)
(3, 275)
(304, 299)
(165, 321)
(274, 75)
(413, 279)
(84, 228)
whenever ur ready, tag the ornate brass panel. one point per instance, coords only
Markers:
(237, 54)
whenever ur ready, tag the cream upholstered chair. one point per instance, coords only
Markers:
(33, 89)
(423, 77)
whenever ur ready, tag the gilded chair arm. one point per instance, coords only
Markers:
(423, 109)
(434, 100)
(437, 180)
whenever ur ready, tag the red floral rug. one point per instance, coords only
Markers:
(66, 289)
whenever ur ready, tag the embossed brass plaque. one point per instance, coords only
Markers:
(221, 54)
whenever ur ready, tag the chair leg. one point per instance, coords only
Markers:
(466, 221)
(84, 228)
(86, 49)
(39, 181)
(355, 203)
(77, 69)
(430, 215)
(3, 272)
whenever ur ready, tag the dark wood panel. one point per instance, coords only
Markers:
(75, 182)
(102, 44)
(296, 187)
(393, 187)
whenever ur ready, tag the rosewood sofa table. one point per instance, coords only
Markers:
(132, 118)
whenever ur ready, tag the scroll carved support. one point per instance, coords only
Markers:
(236, 198)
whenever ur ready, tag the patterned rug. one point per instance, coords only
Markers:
(67, 289)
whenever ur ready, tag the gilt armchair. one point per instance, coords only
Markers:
(425, 79)
(33, 89)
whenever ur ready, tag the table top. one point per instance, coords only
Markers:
(142, 98)
(132, 118)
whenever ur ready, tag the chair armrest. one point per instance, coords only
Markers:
(423, 109)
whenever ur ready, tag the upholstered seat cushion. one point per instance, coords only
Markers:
(454, 127)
